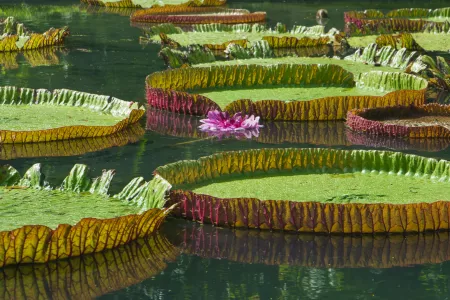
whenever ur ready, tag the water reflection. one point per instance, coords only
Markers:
(224, 264)
(319, 251)
(316, 133)
(131, 134)
(40, 57)
(89, 276)
(399, 144)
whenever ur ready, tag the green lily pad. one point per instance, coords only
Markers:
(30, 200)
(313, 190)
(40, 115)
(352, 66)
(428, 41)
(326, 90)
(220, 34)
(330, 188)
(153, 3)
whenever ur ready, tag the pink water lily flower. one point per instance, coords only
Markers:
(221, 121)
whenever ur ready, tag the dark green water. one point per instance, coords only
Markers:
(103, 56)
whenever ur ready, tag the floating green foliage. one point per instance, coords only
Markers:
(384, 56)
(30, 200)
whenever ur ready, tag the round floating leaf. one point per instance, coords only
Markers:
(426, 121)
(78, 195)
(181, 90)
(69, 115)
(219, 36)
(153, 3)
(415, 198)
(15, 39)
(196, 15)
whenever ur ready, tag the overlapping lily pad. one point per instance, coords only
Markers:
(261, 53)
(30, 115)
(290, 92)
(400, 20)
(313, 190)
(153, 3)
(196, 15)
(315, 251)
(425, 121)
(17, 38)
(131, 134)
(219, 36)
(89, 276)
(419, 41)
(75, 219)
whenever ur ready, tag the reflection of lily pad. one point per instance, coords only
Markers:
(42, 57)
(315, 251)
(396, 143)
(75, 147)
(40, 115)
(196, 15)
(313, 190)
(89, 276)
(319, 133)
(280, 92)
(219, 36)
(30, 202)
(427, 121)
(153, 3)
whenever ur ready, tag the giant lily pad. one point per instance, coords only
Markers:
(89, 276)
(313, 190)
(426, 121)
(260, 53)
(280, 92)
(53, 224)
(196, 15)
(16, 38)
(219, 36)
(68, 115)
(76, 147)
(153, 3)
(400, 20)
(425, 40)
(314, 251)
(353, 66)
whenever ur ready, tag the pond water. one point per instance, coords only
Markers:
(103, 55)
